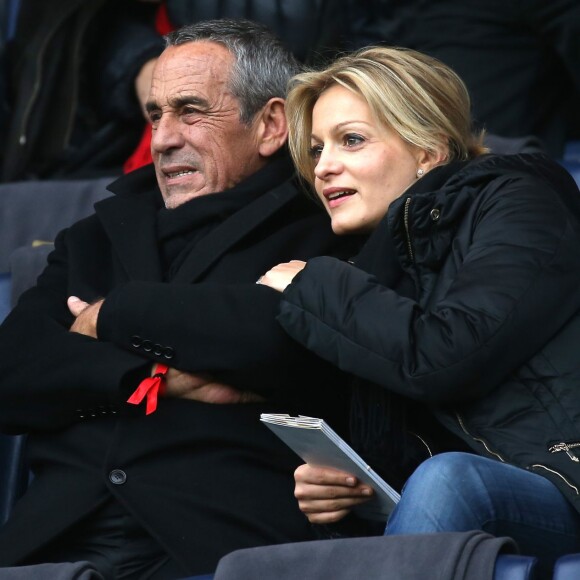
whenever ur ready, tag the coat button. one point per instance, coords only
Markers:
(435, 214)
(118, 477)
(147, 345)
(168, 352)
(157, 349)
(136, 341)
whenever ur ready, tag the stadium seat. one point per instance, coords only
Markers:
(57, 205)
(567, 567)
(13, 473)
(464, 554)
(571, 160)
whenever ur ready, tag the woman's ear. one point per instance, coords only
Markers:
(426, 160)
(272, 129)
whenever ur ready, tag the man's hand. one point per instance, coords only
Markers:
(327, 495)
(281, 275)
(204, 389)
(86, 315)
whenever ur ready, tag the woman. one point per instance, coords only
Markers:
(463, 299)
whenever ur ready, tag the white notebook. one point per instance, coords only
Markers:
(317, 444)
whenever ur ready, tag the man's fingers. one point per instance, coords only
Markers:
(76, 305)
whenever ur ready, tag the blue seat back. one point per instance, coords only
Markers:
(567, 568)
(13, 473)
(514, 567)
(571, 160)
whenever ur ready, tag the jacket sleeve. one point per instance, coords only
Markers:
(516, 284)
(228, 330)
(50, 377)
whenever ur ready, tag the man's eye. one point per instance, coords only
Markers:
(352, 140)
(188, 111)
(154, 117)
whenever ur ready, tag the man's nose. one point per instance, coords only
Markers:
(167, 134)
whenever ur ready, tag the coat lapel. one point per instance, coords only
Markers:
(232, 230)
(130, 223)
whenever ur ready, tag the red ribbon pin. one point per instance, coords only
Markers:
(151, 387)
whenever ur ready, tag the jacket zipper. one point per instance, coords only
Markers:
(23, 130)
(559, 447)
(422, 441)
(481, 441)
(570, 485)
(567, 448)
(407, 229)
(83, 25)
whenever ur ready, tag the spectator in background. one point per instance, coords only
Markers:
(519, 60)
(74, 86)
(61, 87)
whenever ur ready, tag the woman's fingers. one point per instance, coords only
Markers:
(327, 495)
(307, 473)
(281, 275)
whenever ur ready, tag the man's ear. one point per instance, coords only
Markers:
(272, 130)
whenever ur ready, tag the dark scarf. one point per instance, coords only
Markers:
(179, 229)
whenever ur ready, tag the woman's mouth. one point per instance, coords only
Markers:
(336, 196)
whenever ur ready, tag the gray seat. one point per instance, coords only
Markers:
(32, 212)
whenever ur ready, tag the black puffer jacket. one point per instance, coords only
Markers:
(488, 335)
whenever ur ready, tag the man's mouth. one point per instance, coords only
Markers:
(174, 174)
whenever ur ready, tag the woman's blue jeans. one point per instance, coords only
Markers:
(455, 492)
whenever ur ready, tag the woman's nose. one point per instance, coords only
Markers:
(327, 164)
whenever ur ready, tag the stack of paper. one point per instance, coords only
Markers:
(317, 444)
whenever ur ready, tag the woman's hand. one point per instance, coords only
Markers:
(281, 275)
(327, 495)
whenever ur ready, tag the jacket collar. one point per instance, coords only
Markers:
(430, 211)
(129, 220)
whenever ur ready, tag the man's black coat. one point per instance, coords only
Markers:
(203, 479)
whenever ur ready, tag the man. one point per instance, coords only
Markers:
(163, 275)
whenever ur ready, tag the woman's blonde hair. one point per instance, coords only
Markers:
(418, 96)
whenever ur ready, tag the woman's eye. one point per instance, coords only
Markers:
(315, 151)
(353, 140)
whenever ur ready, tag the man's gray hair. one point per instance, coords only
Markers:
(262, 65)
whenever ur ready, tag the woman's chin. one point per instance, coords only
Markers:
(344, 227)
